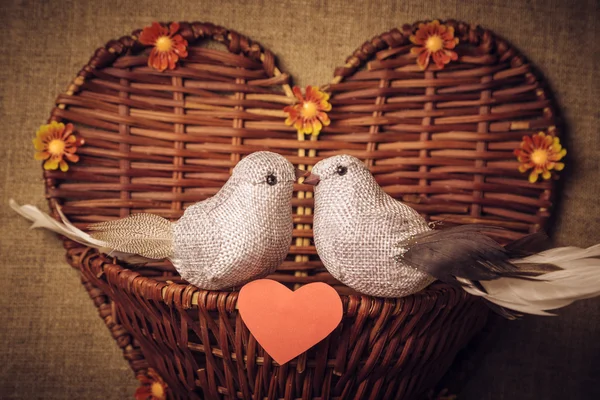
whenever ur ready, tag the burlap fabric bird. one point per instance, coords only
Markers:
(357, 227)
(380, 246)
(241, 233)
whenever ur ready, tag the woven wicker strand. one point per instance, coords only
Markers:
(440, 140)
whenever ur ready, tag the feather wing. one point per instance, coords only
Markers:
(147, 235)
(529, 245)
(462, 251)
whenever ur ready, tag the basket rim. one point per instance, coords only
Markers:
(474, 34)
(187, 296)
(193, 32)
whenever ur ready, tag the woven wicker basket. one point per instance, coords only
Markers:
(158, 142)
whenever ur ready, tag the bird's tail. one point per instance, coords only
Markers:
(577, 278)
(145, 235)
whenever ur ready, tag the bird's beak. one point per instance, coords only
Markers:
(312, 179)
(300, 173)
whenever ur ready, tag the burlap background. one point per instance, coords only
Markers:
(54, 346)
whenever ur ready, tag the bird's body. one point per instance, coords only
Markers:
(380, 246)
(357, 228)
(241, 233)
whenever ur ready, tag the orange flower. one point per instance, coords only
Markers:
(55, 141)
(153, 387)
(540, 153)
(435, 41)
(308, 114)
(169, 47)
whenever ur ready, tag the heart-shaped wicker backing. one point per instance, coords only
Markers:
(443, 140)
(158, 142)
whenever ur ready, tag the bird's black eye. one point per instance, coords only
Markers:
(271, 179)
(341, 170)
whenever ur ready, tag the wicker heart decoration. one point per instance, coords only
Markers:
(288, 323)
(437, 122)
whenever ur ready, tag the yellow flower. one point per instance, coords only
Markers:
(169, 46)
(435, 41)
(54, 141)
(541, 154)
(308, 115)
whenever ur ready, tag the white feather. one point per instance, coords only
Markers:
(42, 220)
(561, 254)
(579, 279)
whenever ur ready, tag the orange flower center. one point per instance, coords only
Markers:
(56, 147)
(434, 43)
(157, 390)
(164, 43)
(539, 156)
(309, 109)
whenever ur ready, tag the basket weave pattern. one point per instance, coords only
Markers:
(158, 142)
(443, 141)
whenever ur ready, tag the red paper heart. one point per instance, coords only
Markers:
(287, 323)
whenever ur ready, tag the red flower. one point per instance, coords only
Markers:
(308, 114)
(434, 41)
(153, 387)
(55, 141)
(541, 154)
(169, 46)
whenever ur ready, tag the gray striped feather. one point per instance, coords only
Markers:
(147, 235)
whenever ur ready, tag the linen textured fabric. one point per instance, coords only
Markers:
(357, 229)
(54, 345)
(244, 231)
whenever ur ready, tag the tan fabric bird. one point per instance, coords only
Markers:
(382, 247)
(242, 233)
